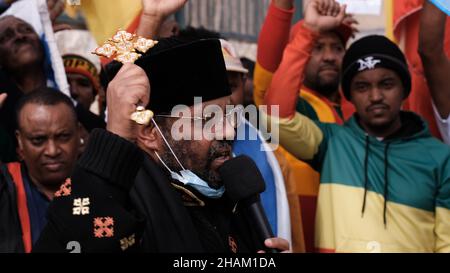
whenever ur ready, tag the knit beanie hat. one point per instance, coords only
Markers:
(75, 46)
(372, 52)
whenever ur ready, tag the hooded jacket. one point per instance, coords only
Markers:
(390, 195)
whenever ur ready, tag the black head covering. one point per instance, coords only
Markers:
(371, 52)
(179, 71)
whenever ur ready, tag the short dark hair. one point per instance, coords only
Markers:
(44, 96)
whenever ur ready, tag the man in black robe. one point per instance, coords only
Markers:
(139, 187)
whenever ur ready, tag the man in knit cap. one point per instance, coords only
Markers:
(385, 181)
(82, 70)
(82, 67)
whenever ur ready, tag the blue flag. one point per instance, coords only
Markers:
(274, 199)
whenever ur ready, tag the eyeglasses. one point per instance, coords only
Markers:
(232, 117)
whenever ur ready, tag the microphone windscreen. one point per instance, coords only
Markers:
(241, 178)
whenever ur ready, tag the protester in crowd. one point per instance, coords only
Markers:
(436, 64)
(24, 70)
(370, 198)
(176, 201)
(281, 67)
(82, 70)
(49, 144)
(21, 70)
(81, 66)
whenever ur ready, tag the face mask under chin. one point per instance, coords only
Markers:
(187, 177)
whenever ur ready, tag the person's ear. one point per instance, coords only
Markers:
(147, 136)
(19, 140)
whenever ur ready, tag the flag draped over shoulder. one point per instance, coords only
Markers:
(406, 19)
(105, 17)
(35, 13)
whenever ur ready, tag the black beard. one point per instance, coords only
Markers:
(212, 177)
(325, 88)
(183, 152)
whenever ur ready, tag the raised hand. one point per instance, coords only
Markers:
(129, 88)
(324, 15)
(161, 8)
(350, 21)
(154, 12)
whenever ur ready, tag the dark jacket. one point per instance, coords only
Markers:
(149, 212)
(10, 228)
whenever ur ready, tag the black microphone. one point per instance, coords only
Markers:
(243, 183)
